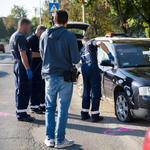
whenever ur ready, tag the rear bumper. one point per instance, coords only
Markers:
(2, 49)
(141, 113)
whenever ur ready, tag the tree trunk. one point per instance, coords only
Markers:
(149, 31)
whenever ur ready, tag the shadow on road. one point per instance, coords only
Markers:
(2, 74)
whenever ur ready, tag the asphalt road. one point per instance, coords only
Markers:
(109, 134)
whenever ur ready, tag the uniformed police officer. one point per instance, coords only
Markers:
(37, 99)
(91, 78)
(23, 74)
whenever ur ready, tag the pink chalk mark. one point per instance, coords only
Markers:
(124, 129)
(106, 132)
(6, 114)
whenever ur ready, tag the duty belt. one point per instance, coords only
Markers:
(88, 62)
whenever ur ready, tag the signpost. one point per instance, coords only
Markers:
(52, 8)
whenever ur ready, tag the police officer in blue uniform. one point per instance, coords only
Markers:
(91, 78)
(23, 74)
(37, 98)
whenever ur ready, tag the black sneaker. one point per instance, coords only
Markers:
(97, 120)
(37, 111)
(26, 119)
(85, 117)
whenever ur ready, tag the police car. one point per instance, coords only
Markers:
(125, 82)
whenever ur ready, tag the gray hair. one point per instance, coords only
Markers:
(39, 28)
(85, 39)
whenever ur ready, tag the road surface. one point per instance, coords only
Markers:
(109, 134)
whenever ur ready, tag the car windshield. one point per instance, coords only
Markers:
(78, 32)
(133, 54)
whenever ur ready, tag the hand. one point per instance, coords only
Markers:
(111, 57)
(29, 74)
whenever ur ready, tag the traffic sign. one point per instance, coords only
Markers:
(53, 7)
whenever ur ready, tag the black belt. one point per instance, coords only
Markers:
(88, 62)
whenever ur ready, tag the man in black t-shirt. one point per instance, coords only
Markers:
(37, 98)
(22, 71)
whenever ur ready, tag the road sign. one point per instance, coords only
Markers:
(53, 7)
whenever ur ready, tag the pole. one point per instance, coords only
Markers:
(40, 13)
(84, 13)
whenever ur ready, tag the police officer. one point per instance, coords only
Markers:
(37, 99)
(23, 74)
(91, 78)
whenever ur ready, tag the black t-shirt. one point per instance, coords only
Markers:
(18, 42)
(33, 43)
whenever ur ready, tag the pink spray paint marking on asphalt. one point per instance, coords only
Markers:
(108, 132)
(6, 114)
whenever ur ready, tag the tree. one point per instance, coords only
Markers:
(87, 3)
(142, 7)
(98, 18)
(35, 22)
(19, 12)
(124, 10)
(3, 31)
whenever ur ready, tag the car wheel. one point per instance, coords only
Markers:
(3, 51)
(80, 85)
(122, 108)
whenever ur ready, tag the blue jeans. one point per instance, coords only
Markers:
(54, 86)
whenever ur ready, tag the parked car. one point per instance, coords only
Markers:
(125, 82)
(2, 47)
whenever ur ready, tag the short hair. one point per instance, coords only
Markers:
(23, 21)
(85, 39)
(60, 16)
(39, 28)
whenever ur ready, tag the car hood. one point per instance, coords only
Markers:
(141, 75)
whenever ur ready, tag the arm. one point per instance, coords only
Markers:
(36, 55)
(24, 59)
(74, 50)
(103, 47)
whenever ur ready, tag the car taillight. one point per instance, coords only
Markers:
(146, 145)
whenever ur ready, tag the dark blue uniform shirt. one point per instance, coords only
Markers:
(89, 51)
(18, 43)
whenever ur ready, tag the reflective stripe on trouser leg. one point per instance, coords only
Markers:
(85, 110)
(36, 106)
(94, 112)
(42, 105)
(21, 110)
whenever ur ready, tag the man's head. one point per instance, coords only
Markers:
(24, 25)
(61, 18)
(40, 29)
(84, 40)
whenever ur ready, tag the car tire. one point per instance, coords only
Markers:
(80, 85)
(122, 108)
(3, 51)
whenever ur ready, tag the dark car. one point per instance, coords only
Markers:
(2, 47)
(125, 82)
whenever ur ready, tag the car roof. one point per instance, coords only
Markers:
(78, 23)
(122, 39)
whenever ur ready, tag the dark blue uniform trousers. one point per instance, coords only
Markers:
(22, 89)
(92, 86)
(38, 86)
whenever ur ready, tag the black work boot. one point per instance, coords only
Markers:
(97, 120)
(26, 119)
(85, 117)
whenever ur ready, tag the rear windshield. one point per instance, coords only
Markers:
(79, 33)
(133, 54)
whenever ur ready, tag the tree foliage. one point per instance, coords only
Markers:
(3, 31)
(87, 3)
(35, 22)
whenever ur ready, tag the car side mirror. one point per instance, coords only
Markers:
(107, 63)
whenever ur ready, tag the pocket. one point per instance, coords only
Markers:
(24, 87)
(96, 90)
(36, 85)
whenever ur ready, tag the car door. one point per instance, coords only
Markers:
(108, 75)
